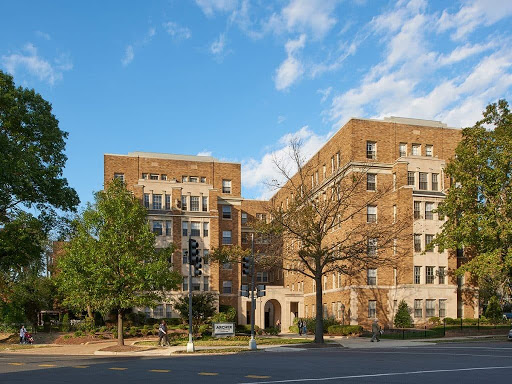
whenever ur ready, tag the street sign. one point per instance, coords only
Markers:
(223, 329)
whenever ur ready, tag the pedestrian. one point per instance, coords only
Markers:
(23, 331)
(375, 331)
(304, 327)
(300, 326)
(162, 334)
(278, 325)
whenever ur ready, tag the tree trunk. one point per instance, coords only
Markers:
(89, 312)
(120, 334)
(319, 323)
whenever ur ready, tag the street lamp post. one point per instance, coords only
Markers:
(190, 344)
(252, 342)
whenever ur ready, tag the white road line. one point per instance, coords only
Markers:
(439, 354)
(378, 375)
(490, 348)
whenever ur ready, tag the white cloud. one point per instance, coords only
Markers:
(129, 52)
(325, 93)
(314, 16)
(43, 35)
(291, 69)
(281, 119)
(463, 52)
(35, 65)
(177, 31)
(209, 7)
(204, 153)
(217, 48)
(128, 55)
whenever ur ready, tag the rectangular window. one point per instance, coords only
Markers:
(184, 228)
(337, 160)
(416, 150)
(423, 181)
(226, 186)
(371, 214)
(185, 283)
(205, 229)
(372, 308)
(262, 277)
(442, 308)
(244, 218)
(261, 217)
(410, 178)
(435, 183)
(430, 308)
(372, 276)
(194, 203)
(402, 150)
(167, 202)
(168, 311)
(226, 237)
(206, 283)
(428, 240)
(184, 256)
(158, 311)
(429, 150)
(429, 275)
(429, 211)
(157, 228)
(193, 179)
(442, 274)
(371, 150)
(206, 256)
(146, 200)
(332, 164)
(163, 177)
(245, 238)
(184, 179)
(417, 242)
(195, 228)
(205, 203)
(417, 275)
(119, 176)
(203, 179)
(196, 284)
(226, 211)
(145, 176)
(418, 308)
(372, 247)
(168, 228)
(371, 181)
(157, 201)
(153, 176)
(184, 202)
(227, 266)
(226, 286)
(417, 210)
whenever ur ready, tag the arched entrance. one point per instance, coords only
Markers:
(272, 311)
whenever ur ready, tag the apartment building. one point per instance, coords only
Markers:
(200, 196)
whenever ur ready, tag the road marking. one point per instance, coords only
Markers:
(15, 363)
(208, 373)
(432, 353)
(257, 377)
(160, 370)
(118, 369)
(47, 365)
(378, 375)
(81, 366)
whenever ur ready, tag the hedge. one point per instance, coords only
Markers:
(344, 330)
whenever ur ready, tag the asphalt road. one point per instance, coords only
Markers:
(489, 362)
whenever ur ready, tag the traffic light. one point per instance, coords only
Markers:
(194, 257)
(244, 290)
(246, 266)
(260, 290)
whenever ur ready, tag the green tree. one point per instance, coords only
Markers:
(494, 312)
(479, 203)
(203, 307)
(403, 316)
(112, 258)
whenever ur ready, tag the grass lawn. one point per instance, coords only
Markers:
(231, 342)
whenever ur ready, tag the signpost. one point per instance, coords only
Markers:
(223, 329)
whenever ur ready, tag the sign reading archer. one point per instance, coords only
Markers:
(223, 329)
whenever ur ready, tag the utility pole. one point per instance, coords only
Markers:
(252, 342)
(190, 344)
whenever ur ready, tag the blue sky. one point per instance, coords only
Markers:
(238, 78)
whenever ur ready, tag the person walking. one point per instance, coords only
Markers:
(304, 328)
(278, 325)
(162, 334)
(23, 332)
(300, 326)
(375, 331)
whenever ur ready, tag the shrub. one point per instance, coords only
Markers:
(133, 331)
(66, 324)
(403, 316)
(344, 330)
(450, 321)
(78, 333)
(68, 336)
(435, 321)
(173, 321)
(204, 329)
(226, 315)
(136, 318)
(102, 329)
(311, 323)
(274, 331)
(86, 325)
(494, 312)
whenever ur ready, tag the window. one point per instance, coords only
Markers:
(417, 242)
(158, 311)
(423, 181)
(145, 176)
(226, 211)
(442, 273)
(203, 179)
(442, 308)
(371, 214)
(205, 203)
(195, 228)
(226, 237)
(244, 218)
(205, 229)
(339, 312)
(157, 201)
(372, 308)
(261, 217)
(333, 281)
(194, 203)
(185, 283)
(417, 210)
(168, 311)
(428, 240)
(332, 165)
(153, 176)
(429, 275)
(193, 179)
(206, 256)
(325, 283)
(417, 275)
(227, 266)
(262, 277)
(245, 238)
(146, 200)
(184, 202)
(316, 177)
(157, 228)
(167, 202)
(410, 178)
(337, 160)
(429, 150)
(206, 284)
(372, 276)
(184, 256)
(119, 176)
(372, 247)
(371, 181)
(430, 308)
(402, 150)
(184, 228)
(226, 186)
(371, 150)
(184, 179)
(418, 308)
(226, 286)
(163, 177)
(416, 150)
(168, 228)
(435, 183)
(429, 208)
(196, 283)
